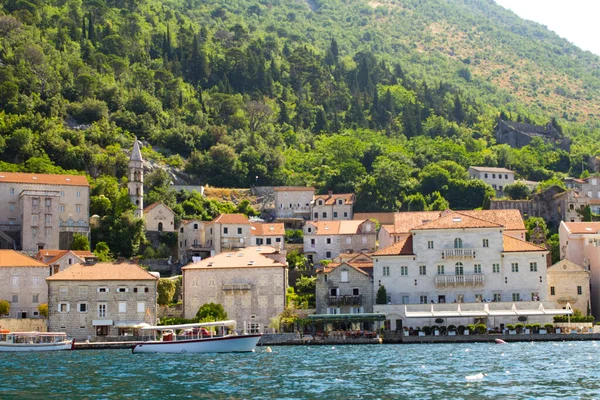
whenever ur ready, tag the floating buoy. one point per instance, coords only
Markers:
(500, 341)
(268, 350)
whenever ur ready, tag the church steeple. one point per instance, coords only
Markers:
(136, 179)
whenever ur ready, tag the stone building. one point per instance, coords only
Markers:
(345, 287)
(269, 234)
(569, 283)
(135, 186)
(250, 284)
(159, 218)
(292, 205)
(22, 283)
(497, 178)
(332, 207)
(192, 241)
(42, 211)
(92, 299)
(327, 239)
(518, 135)
(227, 232)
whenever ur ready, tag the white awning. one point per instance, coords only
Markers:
(102, 322)
(486, 312)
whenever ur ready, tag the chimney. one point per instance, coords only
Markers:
(90, 260)
(330, 192)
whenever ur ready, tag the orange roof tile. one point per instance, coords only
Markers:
(294, 189)
(509, 219)
(382, 218)
(78, 253)
(401, 248)
(349, 227)
(360, 267)
(515, 245)
(582, 227)
(348, 198)
(11, 258)
(230, 219)
(405, 221)
(103, 272)
(250, 257)
(153, 205)
(44, 179)
(267, 229)
(456, 220)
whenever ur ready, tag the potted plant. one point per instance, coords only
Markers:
(480, 329)
(548, 328)
(511, 329)
(463, 330)
(520, 327)
(405, 331)
(528, 329)
(436, 330)
(451, 330)
(426, 330)
(535, 328)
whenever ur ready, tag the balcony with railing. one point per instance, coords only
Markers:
(455, 280)
(344, 300)
(233, 242)
(457, 253)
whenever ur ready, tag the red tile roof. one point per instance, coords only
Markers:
(363, 268)
(53, 256)
(582, 227)
(401, 248)
(382, 218)
(11, 258)
(44, 179)
(405, 221)
(457, 221)
(348, 198)
(267, 229)
(230, 219)
(510, 219)
(103, 272)
(349, 227)
(515, 245)
(249, 257)
(154, 205)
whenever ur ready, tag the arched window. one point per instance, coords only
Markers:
(160, 227)
(458, 269)
(458, 243)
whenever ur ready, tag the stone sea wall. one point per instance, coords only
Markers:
(23, 324)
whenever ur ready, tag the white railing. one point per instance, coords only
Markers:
(459, 253)
(459, 279)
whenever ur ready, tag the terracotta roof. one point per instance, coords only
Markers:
(357, 266)
(151, 206)
(401, 248)
(294, 189)
(456, 220)
(11, 258)
(250, 257)
(44, 179)
(582, 227)
(594, 201)
(492, 169)
(136, 154)
(348, 198)
(103, 272)
(349, 227)
(267, 229)
(382, 218)
(230, 219)
(52, 256)
(405, 221)
(515, 245)
(509, 219)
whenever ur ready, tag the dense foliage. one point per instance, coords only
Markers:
(392, 100)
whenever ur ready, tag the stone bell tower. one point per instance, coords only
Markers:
(136, 179)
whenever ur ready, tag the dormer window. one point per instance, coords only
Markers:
(320, 202)
(340, 201)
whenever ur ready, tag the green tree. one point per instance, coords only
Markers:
(166, 290)
(102, 251)
(296, 260)
(4, 307)
(43, 309)
(381, 297)
(211, 312)
(80, 242)
(305, 289)
(554, 243)
(517, 191)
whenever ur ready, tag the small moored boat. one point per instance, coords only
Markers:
(34, 341)
(194, 339)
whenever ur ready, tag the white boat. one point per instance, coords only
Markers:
(196, 340)
(34, 341)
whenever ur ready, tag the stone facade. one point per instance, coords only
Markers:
(159, 218)
(518, 135)
(38, 207)
(293, 202)
(250, 284)
(497, 178)
(227, 232)
(192, 240)
(569, 283)
(101, 300)
(345, 288)
(59, 260)
(22, 283)
(327, 239)
(332, 207)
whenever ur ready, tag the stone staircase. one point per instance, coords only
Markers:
(6, 242)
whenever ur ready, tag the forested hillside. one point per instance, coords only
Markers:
(392, 100)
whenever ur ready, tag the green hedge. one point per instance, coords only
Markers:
(574, 318)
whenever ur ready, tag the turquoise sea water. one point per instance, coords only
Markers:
(555, 370)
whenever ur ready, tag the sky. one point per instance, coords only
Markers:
(574, 20)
